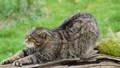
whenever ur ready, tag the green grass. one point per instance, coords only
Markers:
(17, 16)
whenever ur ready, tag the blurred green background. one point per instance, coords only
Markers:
(17, 16)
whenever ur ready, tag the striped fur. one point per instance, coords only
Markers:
(76, 37)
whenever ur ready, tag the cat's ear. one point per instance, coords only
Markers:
(33, 28)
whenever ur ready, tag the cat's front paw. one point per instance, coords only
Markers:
(5, 62)
(17, 63)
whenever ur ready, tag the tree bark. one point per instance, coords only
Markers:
(98, 61)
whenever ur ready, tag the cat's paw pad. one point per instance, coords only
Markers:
(17, 63)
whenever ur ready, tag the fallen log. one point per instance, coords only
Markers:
(98, 61)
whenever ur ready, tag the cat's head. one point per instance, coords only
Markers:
(37, 37)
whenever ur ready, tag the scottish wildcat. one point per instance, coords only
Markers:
(74, 38)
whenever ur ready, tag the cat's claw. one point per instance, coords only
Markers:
(17, 63)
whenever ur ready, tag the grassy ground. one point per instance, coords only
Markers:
(16, 17)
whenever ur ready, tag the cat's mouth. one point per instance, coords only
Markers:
(29, 45)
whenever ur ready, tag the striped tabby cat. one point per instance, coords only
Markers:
(75, 38)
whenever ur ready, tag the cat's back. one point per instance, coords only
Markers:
(76, 20)
(78, 35)
(77, 24)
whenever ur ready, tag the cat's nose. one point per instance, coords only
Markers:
(25, 42)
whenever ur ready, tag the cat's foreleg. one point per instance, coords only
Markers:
(31, 59)
(17, 56)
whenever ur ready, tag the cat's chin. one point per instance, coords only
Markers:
(30, 46)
